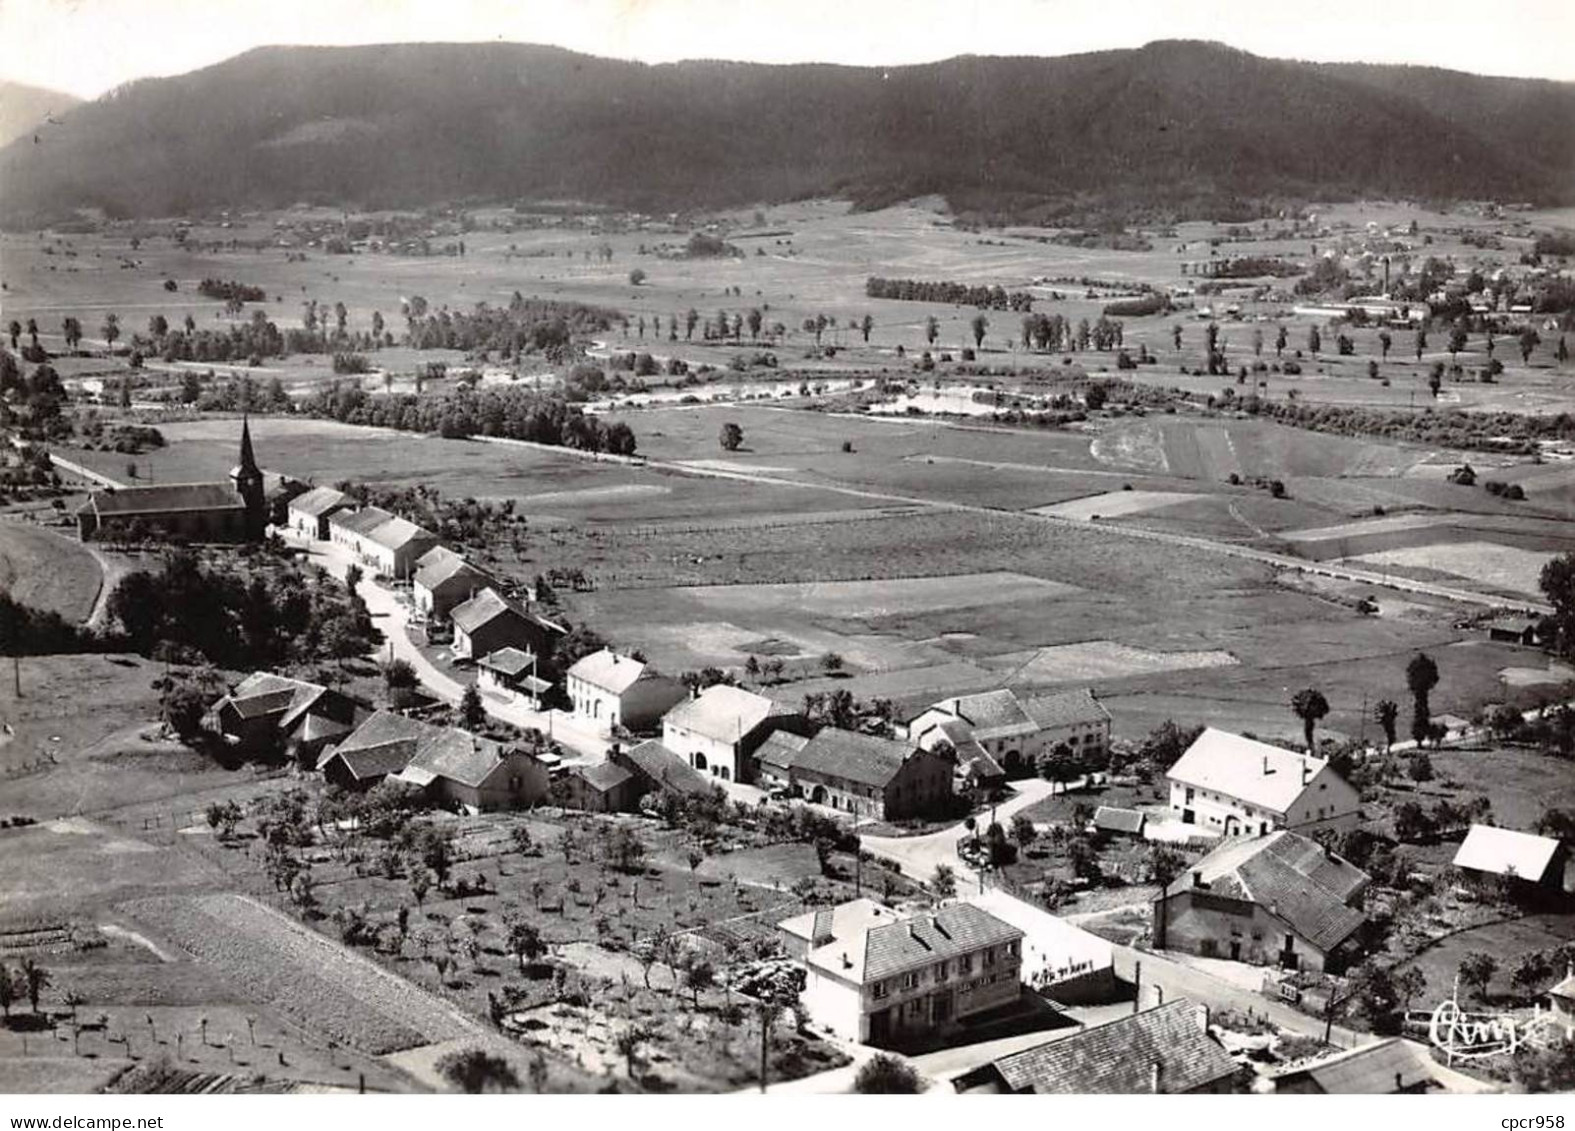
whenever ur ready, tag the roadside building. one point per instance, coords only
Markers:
(974, 771)
(461, 770)
(308, 513)
(605, 787)
(444, 580)
(1282, 900)
(275, 713)
(490, 621)
(1061, 960)
(1537, 861)
(883, 979)
(659, 770)
(1112, 821)
(1389, 1067)
(510, 674)
(871, 777)
(382, 745)
(392, 547)
(609, 691)
(774, 759)
(1241, 787)
(1166, 1050)
(1513, 630)
(718, 731)
(352, 528)
(1015, 733)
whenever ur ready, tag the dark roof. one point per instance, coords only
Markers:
(957, 928)
(1118, 1057)
(1065, 708)
(168, 498)
(384, 744)
(604, 777)
(437, 569)
(509, 661)
(447, 752)
(1291, 876)
(665, 769)
(860, 758)
(484, 608)
(1379, 1069)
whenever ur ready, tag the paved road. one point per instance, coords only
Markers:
(918, 856)
(391, 613)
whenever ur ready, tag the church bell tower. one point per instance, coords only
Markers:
(248, 480)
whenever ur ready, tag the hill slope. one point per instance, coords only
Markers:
(410, 124)
(23, 108)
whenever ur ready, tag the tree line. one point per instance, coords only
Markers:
(958, 294)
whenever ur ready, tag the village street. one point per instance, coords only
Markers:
(391, 612)
(918, 856)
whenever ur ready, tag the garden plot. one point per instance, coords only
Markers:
(1101, 659)
(865, 599)
(1115, 504)
(1555, 673)
(320, 985)
(1504, 568)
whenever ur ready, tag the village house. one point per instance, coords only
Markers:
(660, 770)
(879, 978)
(605, 787)
(386, 543)
(444, 580)
(307, 514)
(1241, 787)
(1535, 861)
(609, 691)
(1389, 1067)
(1112, 821)
(450, 766)
(268, 712)
(1015, 733)
(718, 731)
(490, 621)
(774, 759)
(1281, 899)
(1166, 1050)
(510, 674)
(869, 776)
(1561, 1001)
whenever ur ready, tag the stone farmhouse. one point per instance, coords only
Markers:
(384, 542)
(267, 711)
(609, 691)
(444, 580)
(307, 514)
(490, 621)
(718, 731)
(1011, 733)
(1241, 787)
(859, 773)
(1282, 900)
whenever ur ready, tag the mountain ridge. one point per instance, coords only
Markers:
(1173, 125)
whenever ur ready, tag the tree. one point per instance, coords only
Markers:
(1420, 767)
(1314, 340)
(7, 985)
(111, 328)
(637, 276)
(944, 883)
(1281, 340)
(525, 942)
(699, 975)
(1421, 676)
(732, 437)
(35, 980)
(887, 1075)
(1385, 341)
(476, 1071)
(1557, 582)
(628, 1043)
(223, 816)
(1023, 831)
(932, 329)
(1457, 340)
(979, 325)
(1435, 378)
(1532, 970)
(1310, 706)
(1387, 713)
(866, 324)
(71, 331)
(1476, 971)
(1421, 342)
(1060, 765)
(1529, 340)
(472, 712)
(14, 328)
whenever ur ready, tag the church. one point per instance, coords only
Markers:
(235, 511)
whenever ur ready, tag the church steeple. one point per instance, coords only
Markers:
(248, 480)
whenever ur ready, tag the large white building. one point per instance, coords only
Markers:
(719, 730)
(1014, 733)
(386, 543)
(1241, 787)
(609, 690)
(878, 977)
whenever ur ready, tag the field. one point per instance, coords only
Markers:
(48, 569)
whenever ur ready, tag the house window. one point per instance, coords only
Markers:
(910, 980)
(940, 972)
(878, 990)
(989, 956)
(1011, 948)
(965, 964)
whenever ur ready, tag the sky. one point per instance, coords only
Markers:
(86, 47)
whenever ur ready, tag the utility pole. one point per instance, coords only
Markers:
(765, 1037)
(1137, 981)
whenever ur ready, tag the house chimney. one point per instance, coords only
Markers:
(1399, 1082)
(1266, 770)
(1197, 879)
(1204, 1017)
(1157, 1078)
(1306, 771)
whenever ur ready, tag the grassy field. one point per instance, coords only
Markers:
(48, 569)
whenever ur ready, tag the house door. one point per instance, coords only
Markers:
(1187, 817)
(880, 1027)
(942, 1008)
(1288, 957)
(1235, 950)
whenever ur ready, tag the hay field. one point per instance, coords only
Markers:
(48, 569)
(1488, 564)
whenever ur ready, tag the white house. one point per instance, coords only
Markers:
(384, 542)
(719, 730)
(1493, 851)
(1241, 787)
(877, 977)
(1015, 733)
(444, 580)
(308, 514)
(608, 690)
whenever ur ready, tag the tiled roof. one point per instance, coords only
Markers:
(666, 769)
(484, 608)
(1566, 988)
(1119, 1057)
(724, 713)
(446, 566)
(362, 521)
(992, 714)
(397, 533)
(608, 670)
(171, 497)
(264, 693)
(1065, 708)
(447, 752)
(319, 501)
(846, 920)
(1235, 766)
(1378, 1069)
(509, 661)
(1495, 850)
(603, 777)
(780, 749)
(957, 928)
(1118, 820)
(860, 758)
(1290, 876)
(383, 744)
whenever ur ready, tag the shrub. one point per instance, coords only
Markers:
(884, 1074)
